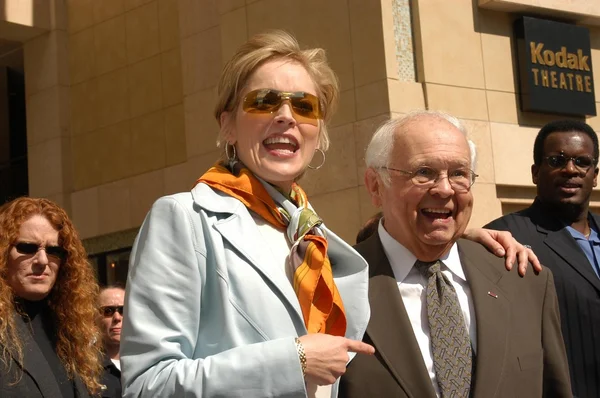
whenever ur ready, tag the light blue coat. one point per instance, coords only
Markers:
(208, 311)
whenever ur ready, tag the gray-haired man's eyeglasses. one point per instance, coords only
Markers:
(460, 179)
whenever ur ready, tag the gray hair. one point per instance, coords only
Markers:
(379, 150)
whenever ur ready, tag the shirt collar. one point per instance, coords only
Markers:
(402, 260)
(579, 236)
(594, 236)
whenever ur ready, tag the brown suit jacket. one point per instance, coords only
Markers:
(520, 352)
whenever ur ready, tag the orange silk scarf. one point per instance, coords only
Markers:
(320, 301)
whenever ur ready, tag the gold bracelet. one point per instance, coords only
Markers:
(301, 355)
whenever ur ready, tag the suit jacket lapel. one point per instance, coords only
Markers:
(80, 388)
(350, 272)
(563, 244)
(390, 329)
(491, 316)
(34, 362)
(559, 240)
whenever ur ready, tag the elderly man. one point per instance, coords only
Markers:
(447, 319)
(565, 234)
(110, 301)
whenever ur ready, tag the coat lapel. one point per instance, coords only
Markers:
(492, 314)
(35, 364)
(560, 241)
(239, 229)
(350, 272)
(563, 244)
(80, 388)
(242, 233)
(390, 329)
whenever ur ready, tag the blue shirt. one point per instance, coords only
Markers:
(590, 246)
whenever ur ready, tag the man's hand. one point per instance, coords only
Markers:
(502, 244)
(327, 356)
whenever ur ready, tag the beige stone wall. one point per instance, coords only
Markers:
(116, 51)
(351, 32)
(122, 97)
(581, 11)
(467, 66)
(22, 20)
(41, 27)
(127, 116)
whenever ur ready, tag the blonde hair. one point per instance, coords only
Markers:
(268, 46)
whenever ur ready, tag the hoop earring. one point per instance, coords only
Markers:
(231, 159)
(322, 162)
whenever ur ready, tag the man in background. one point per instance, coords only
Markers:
(564, 234)
(110, 301)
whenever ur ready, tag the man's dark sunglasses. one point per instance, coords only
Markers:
(583, 162)
(32, 248)
(109, 310)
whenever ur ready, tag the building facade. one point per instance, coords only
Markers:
(119, 96)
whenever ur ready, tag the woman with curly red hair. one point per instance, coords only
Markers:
(48, 336)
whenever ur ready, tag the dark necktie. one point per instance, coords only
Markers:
(450, 343)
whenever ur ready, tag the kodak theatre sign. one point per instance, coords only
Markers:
(555, 66)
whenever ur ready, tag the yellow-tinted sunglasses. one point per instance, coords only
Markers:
(305, 106)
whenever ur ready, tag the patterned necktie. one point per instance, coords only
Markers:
(450, 342)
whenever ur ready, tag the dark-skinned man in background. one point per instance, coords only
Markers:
(564, 235)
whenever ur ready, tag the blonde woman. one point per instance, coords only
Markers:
(238, 288)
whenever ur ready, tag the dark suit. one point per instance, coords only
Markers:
(36, 377)
(516, 356)
(111, 379)
(577, 288)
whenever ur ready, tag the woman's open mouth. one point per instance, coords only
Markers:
(281, 145)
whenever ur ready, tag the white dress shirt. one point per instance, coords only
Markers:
(117, 363)
(412, 286)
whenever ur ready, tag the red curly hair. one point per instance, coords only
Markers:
(72, 299)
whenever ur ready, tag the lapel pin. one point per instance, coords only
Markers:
(494, 295)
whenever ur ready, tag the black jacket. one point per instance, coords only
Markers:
(37, 379)
(111, 379)
(577, 288)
